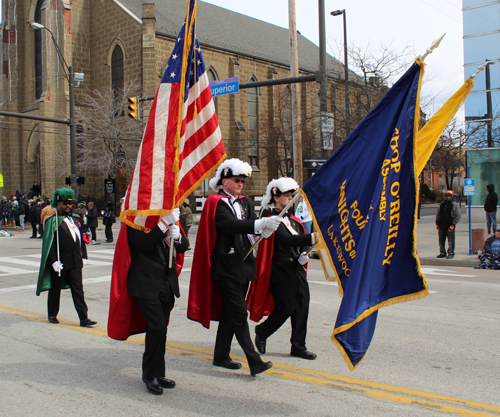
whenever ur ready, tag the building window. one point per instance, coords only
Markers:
(212, 77)
(38, 50)
(117, 77)
(253, 124)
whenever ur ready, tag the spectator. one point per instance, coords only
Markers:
(92, 222)
(447, 217)
(490, 207)
(108, 218)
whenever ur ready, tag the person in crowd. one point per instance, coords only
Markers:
(36, 189)
(9, 213)
(92, 222)
(39, 208)
(189, 216)
(447, 217)
(82, 212)
(15, 213)
(491, 258)
(281, 287)
(108, 219)
(304, 215)
(490, 207)
(3, 210)
(64, 255)
(224, 238)
(33, 218)
(154, 285)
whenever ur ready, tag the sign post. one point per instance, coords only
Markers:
(469, 189)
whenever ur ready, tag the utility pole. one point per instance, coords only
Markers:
(72, 131)
(295, 96)
(489, 107)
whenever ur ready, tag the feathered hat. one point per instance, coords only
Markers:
(230, 168)
(276, 188)
(62, 194)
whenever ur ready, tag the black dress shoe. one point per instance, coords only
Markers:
(229, 364)
(441, 255)
(450, 256)
(261, 367)
(87, 322)
(304, 354)
(53, 319)
(153, 386)
(260, 344)
(166, 383)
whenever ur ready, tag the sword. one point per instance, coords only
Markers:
(57, 247)
(282, 213)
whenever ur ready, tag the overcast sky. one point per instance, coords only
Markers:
(414, 22)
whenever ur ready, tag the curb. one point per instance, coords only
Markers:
(473, 261)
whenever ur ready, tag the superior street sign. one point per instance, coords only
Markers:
(223, 87)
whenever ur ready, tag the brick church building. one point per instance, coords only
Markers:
(113, 42)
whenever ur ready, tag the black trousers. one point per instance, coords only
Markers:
(108, 232)
(157, 313)
(34, 229)
(74, 279)
(93, 233)
(443, 234)
(290, 301)
(233, 322)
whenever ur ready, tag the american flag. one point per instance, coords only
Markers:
(176, 153)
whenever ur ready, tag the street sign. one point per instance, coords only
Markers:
(110, 185)
(227, 86)
(469, 186)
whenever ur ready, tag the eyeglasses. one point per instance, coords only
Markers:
(238, 180)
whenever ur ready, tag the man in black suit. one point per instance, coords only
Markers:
(287, 279)
(64, 254)
(235, 224)
(154, 285)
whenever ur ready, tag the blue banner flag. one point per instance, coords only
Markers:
(364, 204)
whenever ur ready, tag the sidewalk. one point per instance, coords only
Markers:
(428, 245)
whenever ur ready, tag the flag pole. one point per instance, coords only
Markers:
(282, 213)
(434, 45)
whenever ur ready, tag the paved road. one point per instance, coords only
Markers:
(432, 357)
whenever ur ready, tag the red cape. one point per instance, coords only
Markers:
(205, 300)
(260, 301)
(125, 317)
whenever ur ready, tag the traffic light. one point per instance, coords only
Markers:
(132, 108)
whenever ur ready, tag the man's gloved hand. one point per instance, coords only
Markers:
(314, 238)
(451, 228)
(172, 218)
(174, 232)
(303, 258)
(57, 266)
(269, 225)
(84, 261)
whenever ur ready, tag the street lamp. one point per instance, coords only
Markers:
(346, 68)
(70, 76)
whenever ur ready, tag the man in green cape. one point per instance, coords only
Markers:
(64, 254)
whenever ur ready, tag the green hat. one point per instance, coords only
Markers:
(62, 194)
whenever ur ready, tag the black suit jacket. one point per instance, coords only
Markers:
(148, 269)
(70, 252)
(232, 243)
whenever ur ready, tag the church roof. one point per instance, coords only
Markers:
(237, 33)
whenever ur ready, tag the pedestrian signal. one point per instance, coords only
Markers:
(132, 107)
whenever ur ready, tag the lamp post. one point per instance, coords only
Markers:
(346, 68)
(70, 76)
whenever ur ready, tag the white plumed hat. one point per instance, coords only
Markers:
(276, 188)
(230, 168)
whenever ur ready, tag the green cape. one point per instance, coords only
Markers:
(45, 273)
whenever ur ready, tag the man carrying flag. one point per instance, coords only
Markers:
(182, 145)
(364, 200)
(220, 274)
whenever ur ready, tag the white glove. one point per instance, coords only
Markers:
(314, 238)
(174, 232)
(84, 261)
(57, 266)
(173, 218)
(269, 225)
(303, 258)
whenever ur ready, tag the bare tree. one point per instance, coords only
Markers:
(276, 134)
(108, 140)
(449, 154)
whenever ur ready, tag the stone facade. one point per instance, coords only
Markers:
(87, 32)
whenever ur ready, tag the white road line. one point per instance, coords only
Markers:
(20, 261)
(445, 272)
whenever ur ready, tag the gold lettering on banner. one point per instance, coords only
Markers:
(394, 216)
